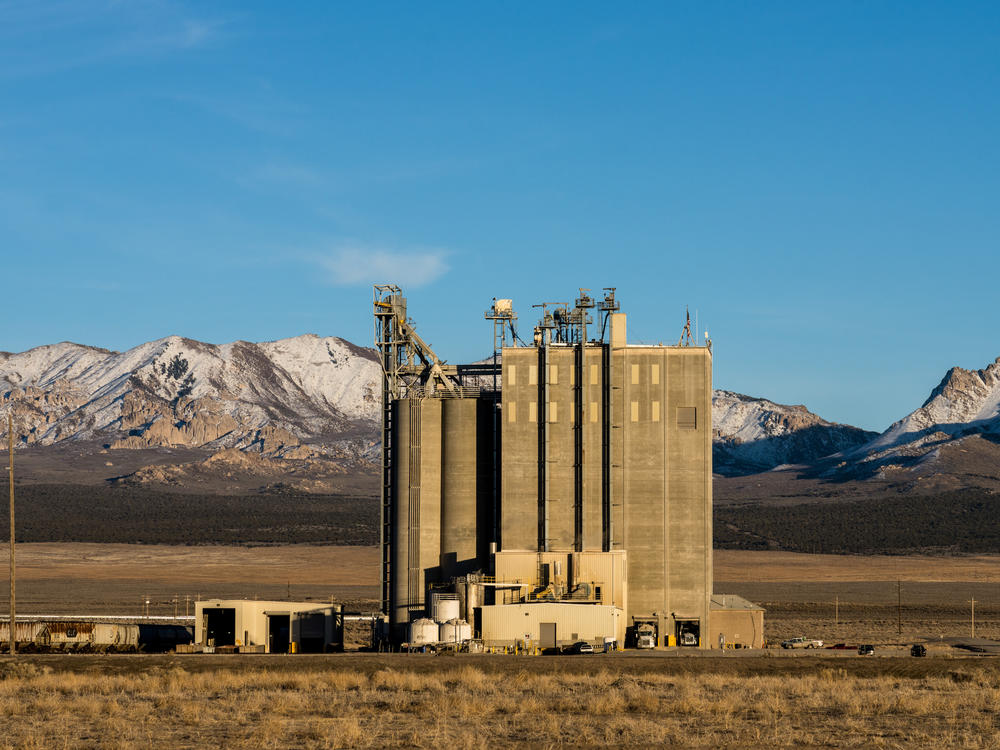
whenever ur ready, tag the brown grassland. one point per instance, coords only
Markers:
(399, 701)
(769, 699)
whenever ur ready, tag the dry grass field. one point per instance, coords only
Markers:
(379, 701)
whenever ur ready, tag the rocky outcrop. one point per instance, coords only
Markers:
(293, 398)
(751, 435)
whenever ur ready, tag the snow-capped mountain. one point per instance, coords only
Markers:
(965, 401)
(964, 406)
(270, 397)
(755, 434)
(313, 397)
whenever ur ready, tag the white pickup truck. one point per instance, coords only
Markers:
(802, 642)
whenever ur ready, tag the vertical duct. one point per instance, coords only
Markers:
(606, 447)
(578, 449)
(543, 448)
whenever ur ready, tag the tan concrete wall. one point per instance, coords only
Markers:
(519, 441)
(737, 626)
(661, 471)
(503, 625)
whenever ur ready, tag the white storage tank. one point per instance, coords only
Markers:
(455, 631)
(423, 631)
(444, 607)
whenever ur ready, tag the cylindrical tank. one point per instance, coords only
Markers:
(444, 608)
(473, 599)
(459, 485)
(455, 631)
(399, 606)
(423, 631)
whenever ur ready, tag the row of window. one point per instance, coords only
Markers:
(687, 416)
(510, 373)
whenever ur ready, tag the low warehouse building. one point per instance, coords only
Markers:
(736, 622)
(270, 627)
(549, 624)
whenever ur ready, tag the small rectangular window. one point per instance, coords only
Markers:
(593, 375)
(511, 411)
(553, 411)
(532, 412)
(635, 374)
(593, 411)
(572, 375)
(687, 418)
(532, 374)
(512, 375)
(656, 411)
(554, 374)
(635, 411)
(654, 374)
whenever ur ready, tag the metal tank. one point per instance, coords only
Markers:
(444, 607)
(473, 598)
(423, 631)
(455, 631)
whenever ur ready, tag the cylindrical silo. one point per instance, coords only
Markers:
(459, 487)
(399, 615)
(455, 631)
(423, 631)
(444, 607)
(473, 599)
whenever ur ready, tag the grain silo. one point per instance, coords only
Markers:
(572, 471)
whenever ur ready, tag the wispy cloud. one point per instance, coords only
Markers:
(41, 38)
(357, 265)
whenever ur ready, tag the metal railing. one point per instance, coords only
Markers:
(462, 391)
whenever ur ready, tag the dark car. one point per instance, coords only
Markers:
(918, 650)
(866, 650)
(581, 647)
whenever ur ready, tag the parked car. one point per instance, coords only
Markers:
(689, 639)
(866, 649)
(918, 649)
(802, 642)
(581, 647)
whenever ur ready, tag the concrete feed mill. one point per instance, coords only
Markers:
(560, 491)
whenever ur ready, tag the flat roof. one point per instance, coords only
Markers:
(733, 601)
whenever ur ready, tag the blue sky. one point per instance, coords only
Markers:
(818, 181)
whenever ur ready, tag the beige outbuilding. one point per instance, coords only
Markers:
(272, 627)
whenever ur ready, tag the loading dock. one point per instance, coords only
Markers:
(268, 626)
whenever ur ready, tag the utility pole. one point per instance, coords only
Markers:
(973, 618)
(899, 606)
(13, 598)
(836, 610)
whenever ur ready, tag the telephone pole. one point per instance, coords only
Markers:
(899, 606)
(973, 617)
(13, 598)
